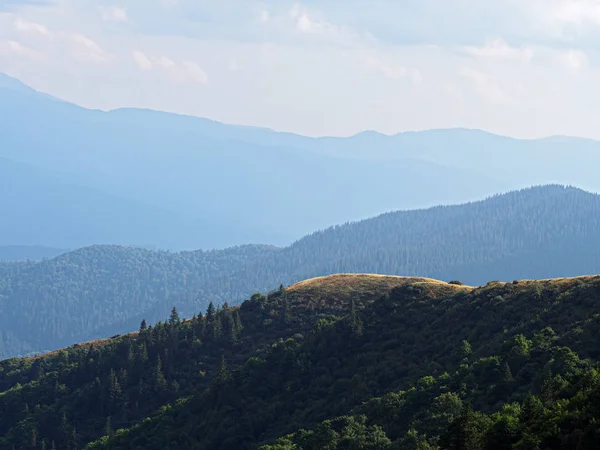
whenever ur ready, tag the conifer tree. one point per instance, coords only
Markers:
(462, 433)
(210, 313)
(174, 318)
(222, 376)
(108, 431)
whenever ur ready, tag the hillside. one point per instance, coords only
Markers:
(100, 291)
(391, 363)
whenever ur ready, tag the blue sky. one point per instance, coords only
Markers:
(523, 68)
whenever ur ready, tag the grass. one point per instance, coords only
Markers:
(335, 291)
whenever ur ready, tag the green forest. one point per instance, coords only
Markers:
(340, 362)
(101, 291)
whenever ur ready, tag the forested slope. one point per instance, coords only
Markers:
(356, 362)
(99, 291)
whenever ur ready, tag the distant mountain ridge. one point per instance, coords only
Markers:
(94, 292)
(28, 252)
(226, 185)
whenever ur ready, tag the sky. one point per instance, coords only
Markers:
(522, 68)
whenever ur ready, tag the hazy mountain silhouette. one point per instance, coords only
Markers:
(98, 291)
(228, 185)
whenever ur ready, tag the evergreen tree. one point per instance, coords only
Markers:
(210, 313)
(222, 376)
(463, 433)
(531, 411)
(158, 378)
(174, 317)
(506, 373)
(143, 325)
(356, 323)
(237, 322)
(465, 350)
(108, 431)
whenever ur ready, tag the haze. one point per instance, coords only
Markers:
(522, 69)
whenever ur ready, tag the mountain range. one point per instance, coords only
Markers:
(102, 290)
(73, 177)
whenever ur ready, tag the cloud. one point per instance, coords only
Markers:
(142, 60)
(485, 85)
(14, 48)
(499, 49)
(181, 73)
(114, 13)
(77, 45)
(84, 49)
(316, 67)
(31, 27)
(573, 60)
(313, 24)
(390, 69)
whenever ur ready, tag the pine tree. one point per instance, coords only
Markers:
(237, 322)
(547, 394)
(356, 323)
(33, 439)
(507, 376)
(465, 350)
(222, 376)
(158, 378)
(287, 313)
(210, 313)
(174, 318)
(462, 433)
(531, 410)
(108, 431)
(143, 325)
(217, 328)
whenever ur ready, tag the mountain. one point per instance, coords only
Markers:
(28, 252)
(228, 185)
(99, 291)
(342, 362)
(46, 208)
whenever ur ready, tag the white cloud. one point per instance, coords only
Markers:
(313, 67)
(181, 73)
(485, 85)
(389, 70)
(142, 60)
(85, 49)
(498, 48)
(312, 24)
(574, 11)
(15, 48)
(195, 72)
(77, 45)
(573, 60)
(26, 26)
(114, 13)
